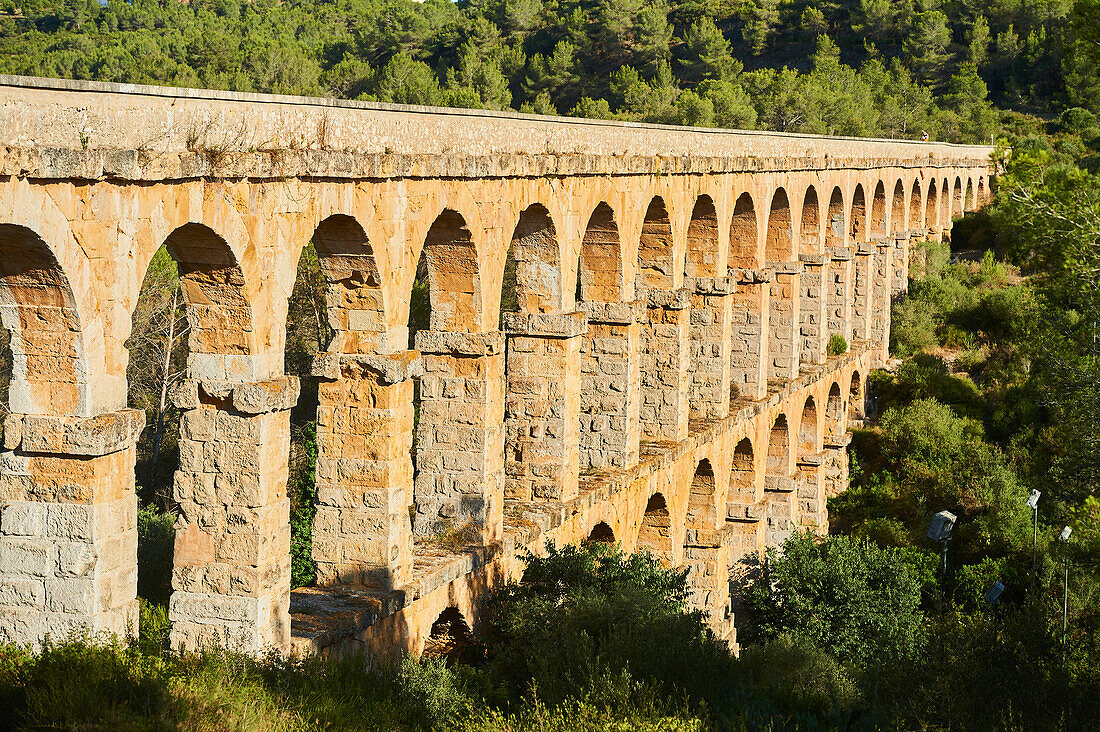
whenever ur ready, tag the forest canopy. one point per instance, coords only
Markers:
(871, 67)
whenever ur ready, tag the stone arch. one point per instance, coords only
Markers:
(897, 208)
(855, 398)
(916, 209)
(957, 203)
(834, 411)
(743, 470)
(602, 532)
(807, 428)
(981, 191)
(701, 512)
(858, 217)
(779, 447)
(355, 301)
(835, 232)
(702, 239)
(811, 223)
(744, 236)
(37, 308)
(601, 271)
(655, 533)
(450, 637)
(778, 245)
(932, 208)
(454, 281)
(877, 224)
(537, 273)
(945, 204)
(655, 251)
(968, 198)
(218, 312)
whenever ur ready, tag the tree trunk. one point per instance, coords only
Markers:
(162, 405)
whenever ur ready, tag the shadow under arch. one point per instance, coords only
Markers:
(601, 270)
(807, 428)
(744, 237)
(702, 239)
(601, 532)
(916, 209)
(655, 250)
(655, 532)
(779, 241)
(834, 412)
(857, 231)
(45, 335)
(835, 227)
(810, 229)
(897, 208)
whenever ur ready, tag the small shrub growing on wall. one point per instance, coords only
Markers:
(837, 345)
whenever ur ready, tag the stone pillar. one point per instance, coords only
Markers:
(880, 299)
(68, 526)
(813, 513)
(900, 260)
(706, 558)
(841, 279)
(665, 361)
(542, 405)
(749, 355)
(783, 321)
(813, 309)
(611, 393)
(460, 432)
(834, 469)
(361, 533)
(746, 517)
(862, 288)
(231, 574)
(781, 508)
(711, 332)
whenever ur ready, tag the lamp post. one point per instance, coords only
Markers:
(1033, 504)
(939, 529)
(1064, 538)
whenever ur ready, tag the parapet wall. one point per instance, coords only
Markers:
(662, 380)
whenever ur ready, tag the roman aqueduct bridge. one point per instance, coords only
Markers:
(665, 382)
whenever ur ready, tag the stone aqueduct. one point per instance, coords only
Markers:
(665, 382)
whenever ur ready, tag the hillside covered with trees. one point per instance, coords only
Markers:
(866, 67)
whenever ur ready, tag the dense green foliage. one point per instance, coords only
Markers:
(859, 68)
(847, 596)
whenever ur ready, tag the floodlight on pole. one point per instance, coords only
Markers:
(939, 529)
(1033, 504)
(1064, 538)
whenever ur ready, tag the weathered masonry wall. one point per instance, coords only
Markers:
(663, 380)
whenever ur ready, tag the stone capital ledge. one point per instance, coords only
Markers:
(717, 286)
(615, 313)
(785, 268)
(79, 436)
(840, 254)
(753, 276)
(251, 397)
(743, 512)
(546, 325)
(444, 342)
(864, 249)
(814, 260)
(837, 442)
(708, 538)
(811, 460)
(670, 299)
(780, 484)
(391, 368)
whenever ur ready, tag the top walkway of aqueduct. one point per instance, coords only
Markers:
(63, 129)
